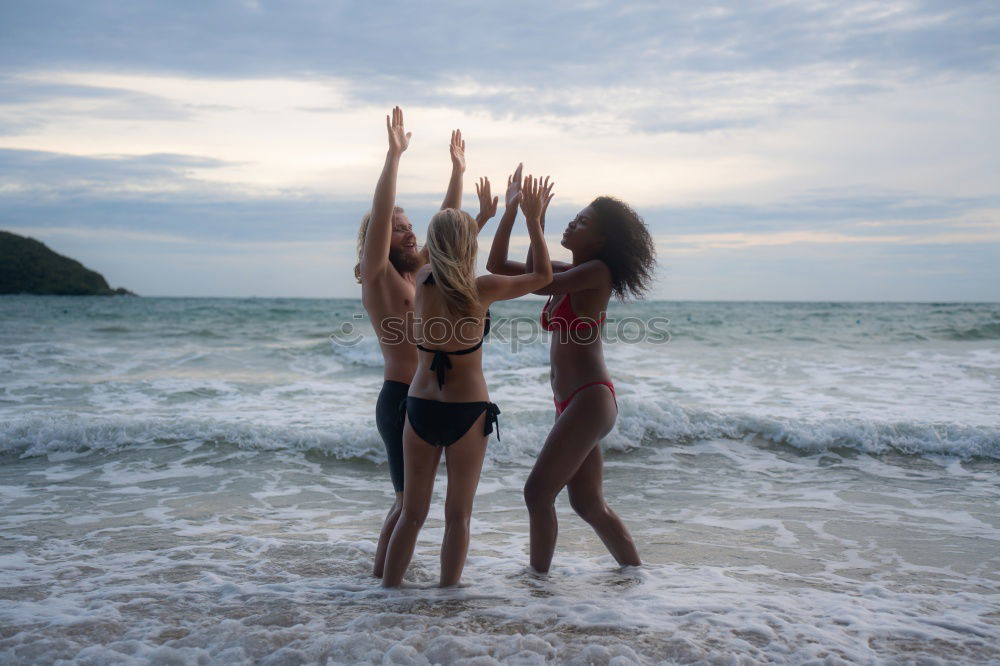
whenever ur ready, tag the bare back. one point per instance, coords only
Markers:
(389, 301)
(437, 328)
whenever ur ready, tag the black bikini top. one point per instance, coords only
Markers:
(441, 362)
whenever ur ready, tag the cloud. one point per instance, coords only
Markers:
(107, 234)
(168, 192)
(190, 132)
(857, 272)
(684, 244)
(595, 43)
(220, 220)
(106, 102)
(33, 173)
(848, 210)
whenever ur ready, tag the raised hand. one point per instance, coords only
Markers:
(487, 205)
(546, 194)
(513, 187)
(458, 150)
(533, 198)
(399, 139)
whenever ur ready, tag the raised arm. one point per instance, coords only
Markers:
(375, 259)
(453, 197)
(487, 203)
(498, 262)
(505, 287)
(546, 198)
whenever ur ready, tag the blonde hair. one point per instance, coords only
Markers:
(451, 246)
(362, 235)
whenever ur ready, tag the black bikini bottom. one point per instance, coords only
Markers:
(443, 423)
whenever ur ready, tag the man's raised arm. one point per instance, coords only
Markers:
(375, 259)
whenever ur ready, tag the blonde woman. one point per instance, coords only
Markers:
(448, 406)
(388, 259)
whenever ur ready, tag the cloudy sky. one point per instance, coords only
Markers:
(777, 150)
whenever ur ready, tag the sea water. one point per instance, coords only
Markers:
(201, 481)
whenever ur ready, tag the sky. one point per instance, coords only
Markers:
(801, 150)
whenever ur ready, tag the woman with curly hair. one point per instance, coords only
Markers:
(613, 253)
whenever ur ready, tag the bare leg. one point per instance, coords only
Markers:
(465, 463)
(383, 538)
(586, 496)
(420, 461)
(576, 432)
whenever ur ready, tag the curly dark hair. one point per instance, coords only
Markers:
(628, 248)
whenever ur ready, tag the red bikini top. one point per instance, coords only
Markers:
(563, 316)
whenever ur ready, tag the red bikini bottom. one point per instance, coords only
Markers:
(561, 406)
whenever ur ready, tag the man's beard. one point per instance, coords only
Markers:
(403, 261)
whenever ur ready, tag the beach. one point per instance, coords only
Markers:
(200, 481)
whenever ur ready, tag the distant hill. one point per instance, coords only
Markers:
(27, 266)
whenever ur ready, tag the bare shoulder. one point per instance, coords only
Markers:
(490, 283)
(391, 296)
(590, 274)
(492, 287)
(594, 265)
(560, 266)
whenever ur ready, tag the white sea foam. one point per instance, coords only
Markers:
(264, 556)
(522, 432)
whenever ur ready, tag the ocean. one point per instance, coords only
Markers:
(201, 481)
